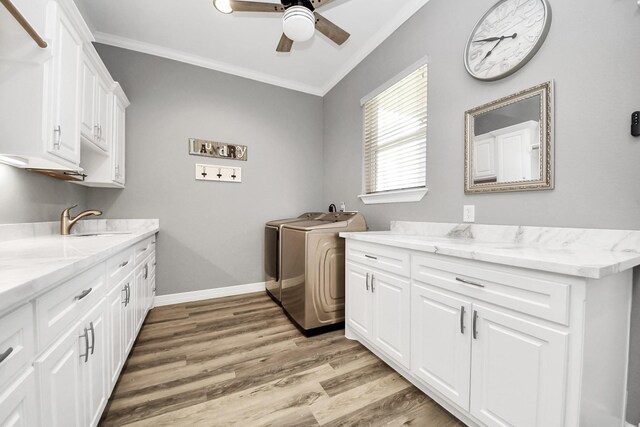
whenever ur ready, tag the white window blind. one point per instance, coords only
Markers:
(395, 135)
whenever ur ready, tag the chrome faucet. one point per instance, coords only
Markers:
(66, 222)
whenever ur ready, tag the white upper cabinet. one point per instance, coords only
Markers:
(61, 99)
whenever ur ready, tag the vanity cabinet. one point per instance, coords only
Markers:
(496, 345)
(85, 327)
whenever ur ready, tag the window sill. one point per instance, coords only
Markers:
(398, 196)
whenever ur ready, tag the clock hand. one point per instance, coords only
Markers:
(489, 53)
(493, 39)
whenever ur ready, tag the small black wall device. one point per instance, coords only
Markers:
(635, 124)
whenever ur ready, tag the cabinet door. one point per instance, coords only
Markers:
(94, 371)
(64, 136)
(129, 326)
(116, 301)
(118, 141)
(392, 315)
(87, 100)
(140, 285)
(358, 305)
(102, 115)
(18, 402)
(59, 377)
(441, 341)
(517, 371)
(484, 158)
(514, 153)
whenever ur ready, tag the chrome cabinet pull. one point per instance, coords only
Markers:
(58, 131)
(367, 281)
(84, 294)
(124, 264)
(146, 271)
(124, 300)
(373, 288)
(370, 257)
(86, 342)
(6, 354)
(475, 324)
(93, 336)
(128, 293)
(462, 313)
(470, 282)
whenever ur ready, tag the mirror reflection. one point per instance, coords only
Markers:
(507, 143)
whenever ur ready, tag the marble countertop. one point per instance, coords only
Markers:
(34, 258)
(586, 253)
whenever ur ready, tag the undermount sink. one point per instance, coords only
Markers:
(100, 234)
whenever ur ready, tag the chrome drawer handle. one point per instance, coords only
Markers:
(462, 313)
(469, 282)
(124, 264)
(373, 288)
(84, 294)
(367, 281)
(371, 257)
(6, 354)
(145, 249)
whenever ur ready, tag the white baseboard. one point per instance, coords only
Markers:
(228, 291)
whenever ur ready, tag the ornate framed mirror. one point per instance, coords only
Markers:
(509, 143)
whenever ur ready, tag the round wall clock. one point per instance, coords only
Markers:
(506, 38)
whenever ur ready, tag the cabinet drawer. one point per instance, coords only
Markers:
(119, 266)
(142, 249)
(385, 258)
(17, 342)
(59, 308)
(527, 292)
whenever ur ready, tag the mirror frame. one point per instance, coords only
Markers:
(545, 91)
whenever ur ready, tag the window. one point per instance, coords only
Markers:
(395, 137)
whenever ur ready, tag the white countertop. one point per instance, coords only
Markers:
(31, 264)
(564, 251)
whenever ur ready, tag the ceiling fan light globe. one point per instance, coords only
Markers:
(298, 23)
(223, 6)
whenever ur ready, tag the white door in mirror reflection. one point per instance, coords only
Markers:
(509, 154)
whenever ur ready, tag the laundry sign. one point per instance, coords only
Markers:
(219, 150)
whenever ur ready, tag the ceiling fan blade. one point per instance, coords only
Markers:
(255, 6)
(285, 44)
(331, 30)
(318, 3)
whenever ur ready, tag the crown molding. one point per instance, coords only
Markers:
(200, 61)
(376, 40)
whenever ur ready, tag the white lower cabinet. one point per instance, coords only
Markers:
(380, 312)
(495, 345)
(65, 377)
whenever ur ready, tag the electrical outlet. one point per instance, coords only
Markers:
(469, 213)
(218, 173)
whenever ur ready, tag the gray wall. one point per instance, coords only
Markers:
(29, 197)
(590, 55)
(211, 233)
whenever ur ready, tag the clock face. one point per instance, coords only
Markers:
(506, 38)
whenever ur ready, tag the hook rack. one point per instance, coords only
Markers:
(218, 173)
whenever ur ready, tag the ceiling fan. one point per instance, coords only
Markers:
(299, 22)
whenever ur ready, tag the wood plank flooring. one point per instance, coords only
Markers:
(239, 361)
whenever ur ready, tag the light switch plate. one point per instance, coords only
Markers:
(218, 173)
(469, 213)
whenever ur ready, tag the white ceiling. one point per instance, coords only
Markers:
(244, 44)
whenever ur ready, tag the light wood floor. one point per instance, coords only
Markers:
(239, 361)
